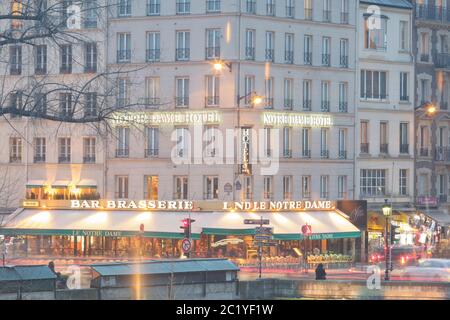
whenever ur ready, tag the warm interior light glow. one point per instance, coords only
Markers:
(257, 100)
(431, 109)
(218, 66)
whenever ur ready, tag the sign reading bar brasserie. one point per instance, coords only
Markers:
(182, 205)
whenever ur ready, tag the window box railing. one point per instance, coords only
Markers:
(89, 159)
(64, 159)
(90, 23)
(307, 105)
(153, 55)
(326, 60)
(181, 101)
(404, 98)
(384, 148)
(270, 55)
(251, 7)
(442, 60)
(268, 103)
(342, 154)
(306, 154)
(307, 58)
(288, 104)
(324, 195)
(212, 52)
(424, 152)
(289, 57)
(15, 159)
(324, 154)
(182, 54)
(211, 195)
(364, 148)
(344, 61)
(290, 11)
(151, 153)
(39, 159)
(212, 101)
(344, 17)
(424, 57)
(435, 13)
(287, 153)
(66, 69)
(308, 13)
(122, 102)
(250, 53)
(326, 15)
(343, 106)
(123, 56)
(404, 148)
(91, 68)
(325, 106)
(270, 9)
(268, 196)
(122, 153)
(40, 70)
(442, 154)
(15, 70)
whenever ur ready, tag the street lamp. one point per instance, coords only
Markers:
(219, 65)
(255, 98)
(387, 212)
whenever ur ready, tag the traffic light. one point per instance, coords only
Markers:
(394, 234)
(186, 226)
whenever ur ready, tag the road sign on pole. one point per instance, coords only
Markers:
(186, 245)
(264, 230)
(257, 221)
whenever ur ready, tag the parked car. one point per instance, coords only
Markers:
(426, 269)
(400, 255)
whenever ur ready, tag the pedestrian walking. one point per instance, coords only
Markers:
(320, 272)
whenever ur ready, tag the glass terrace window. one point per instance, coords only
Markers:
(90, 107)
(308, 9)
(122, 187)
(123, 142)
(39, 150)
(373, 85)
(153, 88)
(212, 91)
(373, 182)
(270, 46)
(250, 6)
(327, 10)
(123, 47)
(289, 48)
(64, 150)
(250, 44)
(181, 188)
(375, 36)
(268, 188)
(90, 14)
(182, 92)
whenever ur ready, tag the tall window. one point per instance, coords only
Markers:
(424, 47)
(249, 89)
(123, 142)
(384, 146)
(151, 184)
(307, 94)
(89, 150)
(65, 105)
(289, 48)
(269, 92)
(90, 16)
(183, 142)
(250, 44)
(182, 92)
(268, 141)
(288, 94)
(153, 46)
(373, 182)
(90, 104)
(15, 150)
(247, 189)
(287, 187)
(306, 187)
(326, 51)
(66, 58)
(211, 188)
(364, 138)
(40, 150)
(404, 86)
(250, 6)
(325, 93)
(123, 47)
(343, 46)
(307, 49)
(90, 56)
(183, 50)
(41, 59)
(212, 5)
(270, 7)
(343, 96)
(404, 141)
(404, 36)
(122, 92)
(342, 187)
(124, 8)
(308, 9)
(17, 9)
(268, 188)
(212, 91)
(290, 8)
(153, 98)
(306, 150)
(324, 152)
(64, 150)
(344, 12)
(153, 7)
(270, 46)
(342, 141)
(327, 10)
(324, 187)
(403, 182)
(122, 187)
(183, 6)
(211, 142)
(375, 37)
(152, 136)
(181, 188)
(373, 85)
(213, 43)
(287, 150)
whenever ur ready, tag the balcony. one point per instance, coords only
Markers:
(183, 8)
(344, 17)
(289, 57)
(64, 159)
(384, 148)
(324, 154)
(442, 154)
(343, 107)
(288, 104)
(442, 60)
(342, 154)
(404, 148)
(306, 154)
(39, 159)
(250, 53)
(212, 101)
(89, 159)
(424, 152)
(153, 55)
(343, 61)
(212, 53)
(307, 58)
(325, 106)
(287, 153)
(90, 68)
(15, 159)
(123, 56)
(182, 54)
(364, 148)
(326, 60)
(151, 103)
(326, 15)
(270, 55)
(151, 153)
(153, 9)
(251, 7)
(122, 153)
(182, 102)
(212, 6)
(308, 13)
(438, 14)
(307, 105)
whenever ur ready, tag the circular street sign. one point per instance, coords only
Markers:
(306, 230)
(228, 188)
(186, 245)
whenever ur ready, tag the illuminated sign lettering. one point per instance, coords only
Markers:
(132, 205)
(296, 119)
(166, 118)
(280, 205)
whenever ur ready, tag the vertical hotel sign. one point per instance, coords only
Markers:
(245, 141)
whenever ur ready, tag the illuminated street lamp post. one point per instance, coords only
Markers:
(387, 212)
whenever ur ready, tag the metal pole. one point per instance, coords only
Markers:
(386, 254)
(260, 252)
